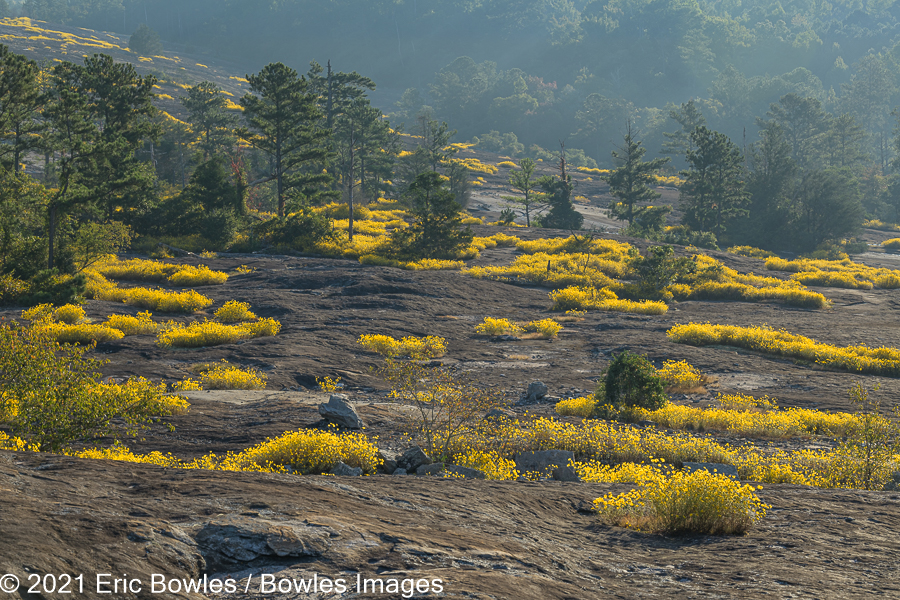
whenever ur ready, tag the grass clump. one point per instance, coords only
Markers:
(698, 502)
(416, 348)
(234, 312)
(577, 407)
(857, 359)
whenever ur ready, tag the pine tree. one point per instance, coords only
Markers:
(284, 123)
(524, 181)
(206, 106)
(713, 191)
(631, 182)
(437, 231)
(20, 99)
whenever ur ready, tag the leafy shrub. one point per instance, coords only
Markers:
(492, 326)
(631, 380)
(70, 314)
(196, 276)
(892, 244)
(51, 394)
(697, 502)
(312, 451)
(234, 312)
(447, 404)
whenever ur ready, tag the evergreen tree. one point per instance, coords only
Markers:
(844, 142)
(206, 106)
(437, 231)
(804, 122)
(713, 191)
(525, 182)
(145, 41)
(20, 98)
(355, 131)
(689, 117)
(769, 185)
(828, 207)
(283, 120)
(631, 182)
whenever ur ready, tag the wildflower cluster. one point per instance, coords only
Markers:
(417, 348)
(836, 273)
(150, 270)
(681, 376)
(750, 252)
(696, 502)
(857, 359)
(72, 326)
(234, 312)
(142, 324)
(586, 298)
(303, 451)
(545, 328)
(226, 377)
(212, 333)
(101, 288)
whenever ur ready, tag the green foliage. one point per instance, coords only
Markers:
(494, 141)
(713, 191)
(51, 393)
(659, 269)
(525, 182)
(631, 380)
(558, 194)
(437, 231)
(631, 182)
(207, 112)
(871, 449)
(145, 41)
(283, 123)
(300, 230)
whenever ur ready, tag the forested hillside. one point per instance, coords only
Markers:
(548, 69)
(777, 121)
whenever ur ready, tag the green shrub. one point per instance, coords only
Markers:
(631, 380)
(52, 394)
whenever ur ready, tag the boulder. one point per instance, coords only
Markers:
(499, 413)
(535, 392)
(399, 471)
(543, 461)
(565, 473)
(719, 468)
(464, 472)
(237, 539)
(412, 459)
(432, 469)
(344, 470)
(339, 411)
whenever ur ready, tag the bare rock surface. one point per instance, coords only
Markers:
(483, 539)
